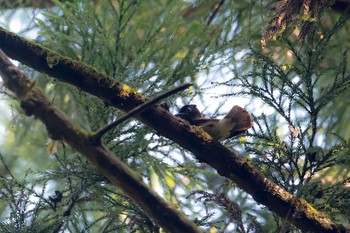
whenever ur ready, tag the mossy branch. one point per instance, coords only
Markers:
(142, 107)
(225, 161)
(59, 126)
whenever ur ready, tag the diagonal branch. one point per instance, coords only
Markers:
(226, 162)
(142, 107)
(59, 126)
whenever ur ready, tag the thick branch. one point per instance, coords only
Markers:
(226, 162)
(59, 126)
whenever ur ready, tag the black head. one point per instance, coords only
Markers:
(189, 113)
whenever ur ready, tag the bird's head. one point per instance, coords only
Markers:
(189, 113)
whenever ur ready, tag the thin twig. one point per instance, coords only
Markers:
(142, 107)
(215, 11)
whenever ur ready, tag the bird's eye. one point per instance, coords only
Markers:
(188, 109)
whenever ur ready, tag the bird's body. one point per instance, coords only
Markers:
(235, 122)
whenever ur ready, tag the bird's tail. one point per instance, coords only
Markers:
(240, 117)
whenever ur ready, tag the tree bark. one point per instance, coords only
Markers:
(60, 127)
(226, 162)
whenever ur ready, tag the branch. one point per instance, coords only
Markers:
(142, 107)
(226, 162)
(61, 127)
(216, 8)
(5, 5)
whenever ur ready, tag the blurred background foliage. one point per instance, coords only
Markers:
(153, 46)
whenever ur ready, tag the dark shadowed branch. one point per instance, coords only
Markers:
(226, 162)
(59, 126)
(142, 107)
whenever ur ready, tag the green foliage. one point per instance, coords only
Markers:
(79, 203)
(233, 212)
(149, 46)
(153, 45)
(293, 139)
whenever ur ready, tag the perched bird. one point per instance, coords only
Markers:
(237, 121)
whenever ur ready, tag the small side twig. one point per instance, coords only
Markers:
(66, 213)
(216, 8)
(142, 107)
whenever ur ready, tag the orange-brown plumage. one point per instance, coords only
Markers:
(237, 121)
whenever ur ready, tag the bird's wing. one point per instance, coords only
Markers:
(204, 121)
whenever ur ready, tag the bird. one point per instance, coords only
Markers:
(236, 121)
